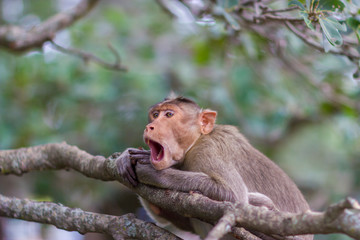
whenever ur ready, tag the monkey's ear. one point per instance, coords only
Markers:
(207, 121)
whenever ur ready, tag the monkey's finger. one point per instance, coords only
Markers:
(131, 177)
(139, 157)
(143, 161)
(126, 175)
(133, 182)
(135, 151)
(130, 171)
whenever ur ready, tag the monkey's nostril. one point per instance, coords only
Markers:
(151, 128)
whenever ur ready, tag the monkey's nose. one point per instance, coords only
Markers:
(149, 128)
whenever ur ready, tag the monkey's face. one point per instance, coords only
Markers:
(171, 131)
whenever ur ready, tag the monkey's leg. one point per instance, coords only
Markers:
(259, 199)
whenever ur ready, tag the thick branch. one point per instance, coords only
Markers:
(339, 218)
(57, 156)
(19, 39)
(71, 219)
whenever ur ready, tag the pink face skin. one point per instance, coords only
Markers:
(171, 132)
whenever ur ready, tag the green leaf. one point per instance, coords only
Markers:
(326, 43)
(305, 15)
(297, 3)
(309, 4)
(335, 23)
(356, 74)
(355, 25)
(331, 5)
(353, 22)
(229, 5)
(303, 12)
(331, 32)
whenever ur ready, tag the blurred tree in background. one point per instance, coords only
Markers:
(299, 106)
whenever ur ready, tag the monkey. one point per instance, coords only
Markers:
(189, 152)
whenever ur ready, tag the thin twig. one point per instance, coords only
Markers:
(318, 46)
(91, 57)
(241, 233)
(278, 18)
(266, 10)
(115, 52)
(224, 226)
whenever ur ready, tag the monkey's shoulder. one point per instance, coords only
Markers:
(227, 133)
(224, 140)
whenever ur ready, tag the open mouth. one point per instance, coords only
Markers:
(157, 150)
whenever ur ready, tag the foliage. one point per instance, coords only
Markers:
(323, 11)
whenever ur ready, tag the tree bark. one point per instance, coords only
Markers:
(343, 217)
(18, 39)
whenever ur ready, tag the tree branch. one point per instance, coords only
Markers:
(91, 57)
(56, 156)
(317, 45)
(269, 17)
(241, 233)
(258, 17)
(269, 10)
(71, 219)
(224, 226)
(19, 39)
(343, 217)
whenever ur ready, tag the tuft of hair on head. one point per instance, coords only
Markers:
(175, 98)
(181, 101)
(186, 104)
(172, 96)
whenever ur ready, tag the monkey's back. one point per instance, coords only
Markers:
(227, 157)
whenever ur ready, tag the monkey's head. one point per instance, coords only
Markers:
(174, 126)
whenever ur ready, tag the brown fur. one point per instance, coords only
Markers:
(216, 161)
(224, 149)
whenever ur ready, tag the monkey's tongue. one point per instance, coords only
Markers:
(157, 151)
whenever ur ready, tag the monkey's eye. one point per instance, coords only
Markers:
(169, 114)
(155, 114)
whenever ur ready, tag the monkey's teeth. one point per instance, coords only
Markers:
(159, 154)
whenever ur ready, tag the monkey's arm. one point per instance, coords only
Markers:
(186, 181)
(171, 178)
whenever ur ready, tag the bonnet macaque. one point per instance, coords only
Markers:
(189, 152)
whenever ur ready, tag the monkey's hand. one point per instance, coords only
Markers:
(126, 163)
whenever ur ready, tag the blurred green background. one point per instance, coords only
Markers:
(297, 106)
